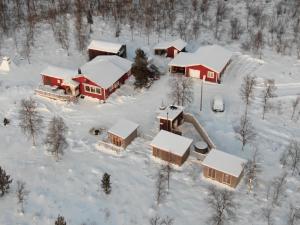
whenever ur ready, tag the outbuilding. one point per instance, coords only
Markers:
(170, 48)
(171, 118)
(223, 167)
(97, 48)
(171, 147)
(208, 62)
(123, 133)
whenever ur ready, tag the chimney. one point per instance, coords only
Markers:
(79, 71)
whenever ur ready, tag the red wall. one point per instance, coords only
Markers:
(203, 71)
(170, 52)
(52, 81)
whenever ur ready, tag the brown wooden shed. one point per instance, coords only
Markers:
(171, 147)
(171, 118)
(123, 133)
(223, 167)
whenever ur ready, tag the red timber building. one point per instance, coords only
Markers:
(171, 48)
(97, 79)
(97, 48)
(207, 62)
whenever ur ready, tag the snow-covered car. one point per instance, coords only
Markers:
(218, 104)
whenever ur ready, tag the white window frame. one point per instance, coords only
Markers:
(210, 74)
(92, 87)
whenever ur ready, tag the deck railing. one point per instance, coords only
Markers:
(53, 95)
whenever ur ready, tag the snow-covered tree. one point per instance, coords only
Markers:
(105, 183)
(5, 181)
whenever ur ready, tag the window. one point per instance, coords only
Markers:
(210, 74)
(87, 88)
(98, 91)
(211, 173)
(226, 179)
(92, 90)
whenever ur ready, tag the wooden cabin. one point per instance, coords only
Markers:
(223, 167)
(171, 118)
(123, 133)
(171, 147)
(97, 48)
(208, 63)
(170, 48)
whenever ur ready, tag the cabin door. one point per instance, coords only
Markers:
(194, 73)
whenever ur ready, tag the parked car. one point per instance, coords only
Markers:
(218, 104)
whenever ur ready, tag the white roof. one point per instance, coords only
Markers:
(170, 113)
(106, 70)
(61, 73)
(213, 57)
(224, 162)
(178, 44)
(105, 46)
(123, 128)
(170, 142)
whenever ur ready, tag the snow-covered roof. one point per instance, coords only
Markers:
(224, 162)
(106, 70)
(62, 73)
(170, 113)
(105, 46)
(213, 57)
(123, 128)
(170, 142)
(178, 44)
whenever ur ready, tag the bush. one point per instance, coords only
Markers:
(5, 181)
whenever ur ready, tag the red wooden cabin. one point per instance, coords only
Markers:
(208, 61)
(97, 48)
(171, 48)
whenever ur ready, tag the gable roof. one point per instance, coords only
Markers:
(106, 70)
(66, 75)
(123, 128)
(170, 113)
(178, 44)
(170, 142)
(105, 46)
(213, 57)
(224, 162)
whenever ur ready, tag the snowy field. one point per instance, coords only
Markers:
(71, 186)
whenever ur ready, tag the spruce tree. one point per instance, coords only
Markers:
(105, 183)
(60, 220)
(4, 182)
(140, 69)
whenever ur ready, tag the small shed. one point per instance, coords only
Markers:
(170, 48)
(123, 133)
(170, 118)
(223, 167)
(171, 147)
(97, 48)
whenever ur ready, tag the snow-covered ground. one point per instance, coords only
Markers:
(71, 186)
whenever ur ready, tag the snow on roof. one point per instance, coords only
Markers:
(224, 162)
(170, 113)
(106, 70)
(59, 72)
(123, 128)
(105, 46)
(178, 44)
(170, 142)
(214, 57)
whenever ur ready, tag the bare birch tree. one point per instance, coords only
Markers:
(276, 189)
(30, 119)
(295, 105)
(267, 93)
(245, 131)
(267, 213)
(294, 215)
(222, 204)
(291, 156)
(181, 90)
(247, 90)
(251, 170)
(55, 139)
(21, 194)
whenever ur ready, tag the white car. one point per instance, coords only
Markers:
(218, 104)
